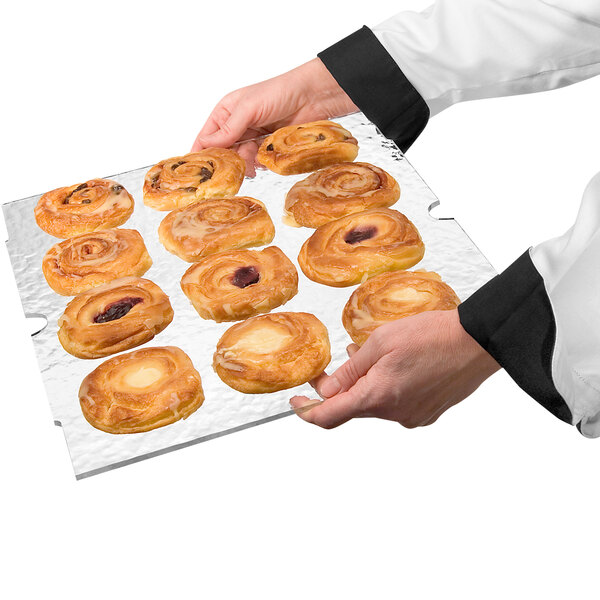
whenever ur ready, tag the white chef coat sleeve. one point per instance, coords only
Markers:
(414, 65)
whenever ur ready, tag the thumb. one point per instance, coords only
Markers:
(226, 134)
(349, 373)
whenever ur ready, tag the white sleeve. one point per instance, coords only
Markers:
(459, 50)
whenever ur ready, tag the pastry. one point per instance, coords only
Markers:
(340, 190)
(394, 295)
(216, 225)
(349, 250)
(304, 148)
(272, 352)
(235, 285)
(114, 317)
(90, 206)
(179, 181)
(141, 390)
(90, 259)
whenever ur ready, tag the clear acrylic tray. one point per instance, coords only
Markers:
(449, 251)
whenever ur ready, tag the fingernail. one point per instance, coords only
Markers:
(330, 387)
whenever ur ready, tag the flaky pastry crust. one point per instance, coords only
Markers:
(114, 317)
(349, 250)
(177, 182)
(210, 226)
(235, 285)
(304, 148)
(340, 190)
(272, 352)
(141, 390)
(392, 296)
(91, 259)
(83, 207)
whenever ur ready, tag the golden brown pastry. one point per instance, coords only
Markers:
(114, 317)
(216, 225)
(392, 296)
(304, 148)
(177, 182)
(141, 390)
(90, 259)
(235, 285)
(352, 249)
(272, 352)
(340, 190)
(90, 206)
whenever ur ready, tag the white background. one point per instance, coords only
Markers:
(498, 499)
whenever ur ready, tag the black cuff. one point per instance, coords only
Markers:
(369, 75)
(511, 317)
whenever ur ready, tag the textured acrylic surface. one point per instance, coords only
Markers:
(449, 251)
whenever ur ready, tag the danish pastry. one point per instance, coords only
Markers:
(114, 317)
(272, 352)
(90, 206)
(351, 249)
(177, 182)
(392, 296)
(340, 190)
(90, 259)
(216, 225)
(235, 285)
(141, 390)
(304, 148)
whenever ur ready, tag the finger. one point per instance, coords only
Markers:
(329, 413)
(349, 373)
(247, 151)
(352, 349)
(229, 132)
(317, 382)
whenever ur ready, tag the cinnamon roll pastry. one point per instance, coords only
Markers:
(141, 390)
(177, 182)
(235, 285)
(304, 148)
(394, 295)
(351, 249)
(114, 317)
(340, 190)
(272, 352)
(90, 259)
(90, 206)
(216, 225)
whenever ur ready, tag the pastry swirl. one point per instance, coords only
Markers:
(304, 148)
(272, 352)
(340, 190)
(114, 317)
(235, 285)
(177, 182)
(351, 249)
(394, 295)
(216, 225)
(83, 207)
(90, 259)
(141, 390)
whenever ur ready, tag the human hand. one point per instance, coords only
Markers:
(307, 93)
(409, 371)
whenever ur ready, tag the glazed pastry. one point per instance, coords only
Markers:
(304, 148)
(392, 296)
(216, 225)
(90, 206)
(235, 285)
(272, 352)
(177, 182)
(141, 390)
(114, 317)
(340, 190)
(349, 250)
(85, 261)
